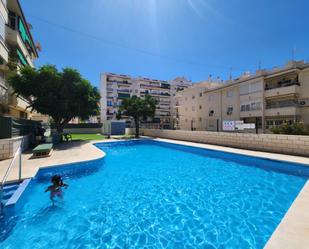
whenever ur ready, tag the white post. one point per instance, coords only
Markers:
(20, 159)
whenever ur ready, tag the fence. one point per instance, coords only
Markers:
(14, 127)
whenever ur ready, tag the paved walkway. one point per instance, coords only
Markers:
(62, 154)
(292, 232)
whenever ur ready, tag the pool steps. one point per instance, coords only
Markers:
(8, 192)
(12, 194)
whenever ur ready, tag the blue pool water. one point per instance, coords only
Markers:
(152, 195)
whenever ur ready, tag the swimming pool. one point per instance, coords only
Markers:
(147, 194)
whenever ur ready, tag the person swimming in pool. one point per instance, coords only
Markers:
(56, 188)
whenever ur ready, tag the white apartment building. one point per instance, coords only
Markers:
(116, 87)
(267, 98)
(17, 48)
(190, 109)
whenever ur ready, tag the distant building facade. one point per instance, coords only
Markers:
(190, 107)
(267, 98)
(117, 87)
(17, 49)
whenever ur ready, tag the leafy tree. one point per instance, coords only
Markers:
(138, 108)
(63, 95)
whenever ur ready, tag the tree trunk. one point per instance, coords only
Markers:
(59, 128)
(136, 120)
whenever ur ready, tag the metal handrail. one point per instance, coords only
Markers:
(18, 154)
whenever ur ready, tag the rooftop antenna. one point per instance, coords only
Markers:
(230, 76)
(260, 64)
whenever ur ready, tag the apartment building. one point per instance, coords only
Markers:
(17, 49)
(267, 98)
(177, 86)
(191, 107)
(116, 87)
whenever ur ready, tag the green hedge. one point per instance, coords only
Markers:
(78, 126)
(291, 129)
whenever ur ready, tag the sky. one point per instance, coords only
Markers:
(164, 39)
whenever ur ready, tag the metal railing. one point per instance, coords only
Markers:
(17, 155)
(277, 85)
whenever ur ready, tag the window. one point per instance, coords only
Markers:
(109, 103)
(251, 88)
(277, 122)
(211, 112)
(229, 94)
(200, 119)
(255, 106)
(193, 97)
(201, 94)
(245, 107)
(211, 124)
(244, 89)
(256, 87)
(23, 115)
(250, 106)
(2, 28)
(229, 110)
(200, 107)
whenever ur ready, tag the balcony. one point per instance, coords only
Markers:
(4, 96)
(292, 89)
(13, 37)
(151, 86)
(251, 113)
(4, 51)
(125, 82)
(123, 96)
(282, 107)
(18, 102)
(282, 111)
(127, 90)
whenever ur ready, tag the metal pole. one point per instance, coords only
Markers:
(20, 160)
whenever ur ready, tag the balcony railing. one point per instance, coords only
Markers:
(123, 90)
(281, 105)
(4, 95)
(280, 85)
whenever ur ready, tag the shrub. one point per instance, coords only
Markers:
(291, 129)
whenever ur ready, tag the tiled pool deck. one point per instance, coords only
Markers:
(292, 232)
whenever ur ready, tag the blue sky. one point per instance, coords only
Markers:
(167, 38)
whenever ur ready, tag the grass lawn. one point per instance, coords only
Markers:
(88, 137)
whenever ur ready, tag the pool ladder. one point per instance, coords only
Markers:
(17, 156)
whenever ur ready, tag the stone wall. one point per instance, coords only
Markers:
(130, 131)
(286, 144)
(9, 146)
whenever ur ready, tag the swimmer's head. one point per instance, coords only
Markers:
(56, 179)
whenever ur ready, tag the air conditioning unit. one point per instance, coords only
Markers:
(303, 102)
